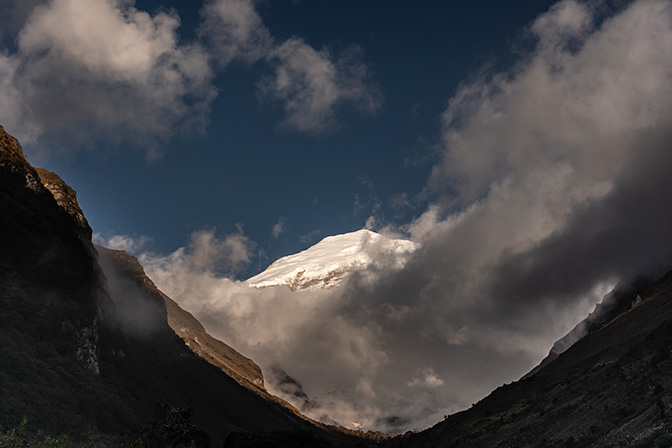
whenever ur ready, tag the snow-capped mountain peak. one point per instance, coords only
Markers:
(328, 262)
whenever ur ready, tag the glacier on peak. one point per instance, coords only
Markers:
(325, 264)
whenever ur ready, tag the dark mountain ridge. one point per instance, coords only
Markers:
(624, 296)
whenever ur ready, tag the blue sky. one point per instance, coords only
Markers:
(247, 168)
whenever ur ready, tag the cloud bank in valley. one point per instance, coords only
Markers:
(105, 70)
(551, 187)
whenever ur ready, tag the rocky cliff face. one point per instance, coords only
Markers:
(30, 209)
(65, 197)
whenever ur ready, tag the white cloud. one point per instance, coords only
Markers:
(207, 253)
(97, 36)
(312, 85)
(529, 149)
(421, 227)
(530, 152)
(105, 67)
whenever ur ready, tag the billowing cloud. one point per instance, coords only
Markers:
(559, 169)
(362, 350)
(604, 85)
(107, 67)
(548, 158)
(313, 85)
(557, 165)
(551, 188)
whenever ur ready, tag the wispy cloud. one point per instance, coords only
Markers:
(312, 85)
(310, 237)
(279, 227)
(130, 244)
(233, 30)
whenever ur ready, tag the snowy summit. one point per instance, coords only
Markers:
(328, 262)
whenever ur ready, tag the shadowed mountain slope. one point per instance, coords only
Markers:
(127, 279)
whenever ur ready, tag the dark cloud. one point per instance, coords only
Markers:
(620, 236)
